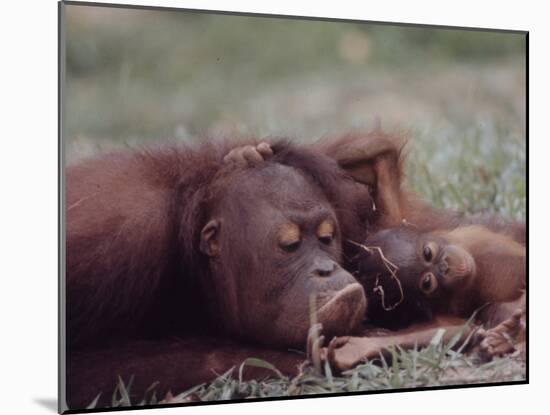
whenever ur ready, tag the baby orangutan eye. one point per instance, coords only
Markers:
(428, 283)
(427, 253)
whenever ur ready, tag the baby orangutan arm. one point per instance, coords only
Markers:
(344, 353)
(375, 160)
(372, 159)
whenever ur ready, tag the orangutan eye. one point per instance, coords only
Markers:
(325, 232)
(428, 254)
(289, 237)
(428, 283)
(290, 247)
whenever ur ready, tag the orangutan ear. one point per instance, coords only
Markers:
(210, 234)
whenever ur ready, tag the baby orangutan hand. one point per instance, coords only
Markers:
(505, 338)
(249, 156)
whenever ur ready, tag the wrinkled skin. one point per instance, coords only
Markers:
(273, 282)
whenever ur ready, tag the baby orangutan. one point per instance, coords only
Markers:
(452, 272)
(419, 282)
(411, 276)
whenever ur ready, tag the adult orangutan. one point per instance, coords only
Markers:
(173, 243)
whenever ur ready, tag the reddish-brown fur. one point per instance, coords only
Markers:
(500, 274)
(124, 233)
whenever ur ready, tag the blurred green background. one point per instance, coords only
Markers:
(140, 76)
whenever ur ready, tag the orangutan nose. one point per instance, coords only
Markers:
(324, 267)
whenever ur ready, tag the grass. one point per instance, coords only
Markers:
(139, 77)
(480, 171)
(439, 364)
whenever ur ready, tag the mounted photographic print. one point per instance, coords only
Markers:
(258, 207)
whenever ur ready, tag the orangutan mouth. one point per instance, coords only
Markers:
(344, 311)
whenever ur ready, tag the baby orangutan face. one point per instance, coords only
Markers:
(442, 264)
(406, 274)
